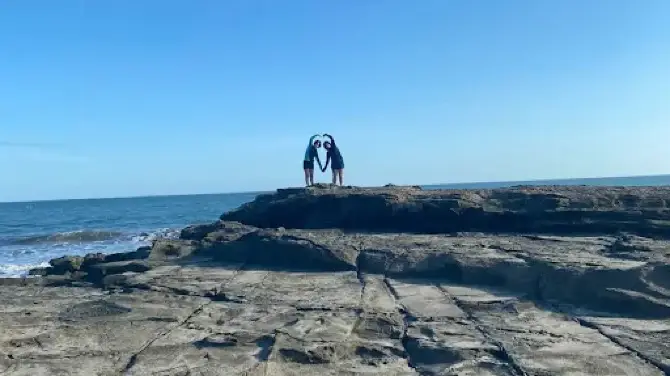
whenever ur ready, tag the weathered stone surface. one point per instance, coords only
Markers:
(96, 273)
(650, 339)
(232, 321)
(166, 249)
(547, 209)
(579, 271)
(79, 267)
(286, 249)
(231, 299)
(216, 232)
(66, 264)
(140, 253)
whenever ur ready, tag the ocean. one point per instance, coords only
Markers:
(32, 233)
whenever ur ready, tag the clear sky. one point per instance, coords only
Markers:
(127, 97)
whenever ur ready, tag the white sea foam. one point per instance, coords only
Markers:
(20, 270)
(164, 233)
(17, 259)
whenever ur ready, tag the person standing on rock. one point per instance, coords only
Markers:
(308, 162)
(333, 154)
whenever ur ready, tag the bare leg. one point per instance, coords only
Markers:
(334, 177)
(306, 177)
(340, 172)
(311, 177)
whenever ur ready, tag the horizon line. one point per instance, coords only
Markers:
(502, 182)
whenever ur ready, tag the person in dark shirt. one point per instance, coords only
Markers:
(308, 161)
(334, 156)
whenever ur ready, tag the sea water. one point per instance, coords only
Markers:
(32, 233)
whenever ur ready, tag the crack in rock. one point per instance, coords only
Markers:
(502, 352)
(62, 356)
(406, 320)
(133, 358)
(662, 367)
(266, 345)
(360, 276)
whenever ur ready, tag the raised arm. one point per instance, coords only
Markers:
(318, 160)
(311, 139)
(323, 169)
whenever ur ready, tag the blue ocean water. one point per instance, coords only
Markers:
(32, 233)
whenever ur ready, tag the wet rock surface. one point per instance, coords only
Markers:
(229, 298)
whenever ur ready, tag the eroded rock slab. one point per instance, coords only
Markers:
(579, 271)
(198, 319)
(79, 331)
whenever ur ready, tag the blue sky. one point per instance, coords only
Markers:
(118, 98)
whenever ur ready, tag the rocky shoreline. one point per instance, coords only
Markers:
(375, 281)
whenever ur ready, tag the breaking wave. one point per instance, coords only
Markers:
(21, 270)
(90, 236)
(19, 255)
(84, 236)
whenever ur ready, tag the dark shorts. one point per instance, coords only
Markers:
(307, 165)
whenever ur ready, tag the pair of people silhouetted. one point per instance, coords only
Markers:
(333, 155)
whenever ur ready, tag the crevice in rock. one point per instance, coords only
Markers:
(180, 291)
(291, 336)
(216, 294)
(360, 276)
(326, 262)
(313, 309)
(265, 344)
(130, 288)
(181, 369)
(391, 289)
(213, 342)
(25, 342)
(302, 357)
(58, 356)
(542, 238)
(502, 354)
(133, 358)
(39, 343)
(407, 319)
(222, 297)
(662, 367)
(159, 319)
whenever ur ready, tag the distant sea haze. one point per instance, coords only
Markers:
(624, 181)
(32, 233)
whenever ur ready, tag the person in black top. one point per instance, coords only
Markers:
(334, 156)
